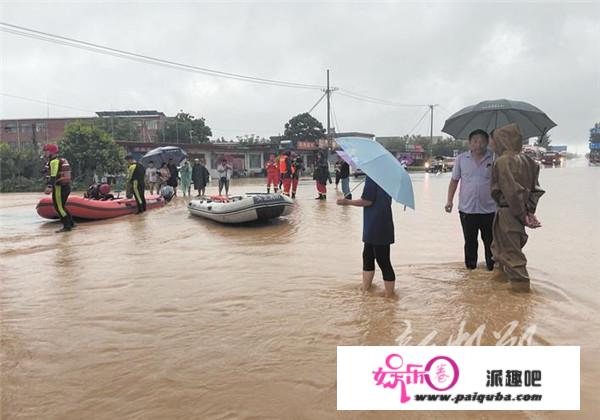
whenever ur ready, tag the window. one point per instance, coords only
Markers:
(152, 124)
(40, 127)
(255, 161)
(10, 128)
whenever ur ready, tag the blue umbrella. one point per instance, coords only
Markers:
(163, 154)
(381, 166)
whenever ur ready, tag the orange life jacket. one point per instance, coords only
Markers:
(282, 164)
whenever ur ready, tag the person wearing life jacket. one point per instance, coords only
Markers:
(278, 161)
(59, 185)
(135, 180)
(297, 168)
(104, 190)
(285, 171)
(272, 174)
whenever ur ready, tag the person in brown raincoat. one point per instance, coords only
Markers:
(516, 190)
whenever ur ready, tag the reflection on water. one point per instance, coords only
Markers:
(167, 315)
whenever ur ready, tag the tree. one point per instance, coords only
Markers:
(252, 139)
(90, 150)
(304, 127)
(544, 141)
(185, 128)
(25, 163)
(119, 128)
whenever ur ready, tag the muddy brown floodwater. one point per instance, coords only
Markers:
(170, 316)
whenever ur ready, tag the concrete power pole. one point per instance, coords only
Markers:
(328, 91)
(328, 108)
(431, 107)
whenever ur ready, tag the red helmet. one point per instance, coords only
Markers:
(104, 189)
(51, 148)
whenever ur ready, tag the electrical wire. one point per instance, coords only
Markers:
(318, 102)
(46, 102)
(371, 99)
(419, 122)
(101, 49)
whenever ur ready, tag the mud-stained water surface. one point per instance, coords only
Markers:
(168, 315)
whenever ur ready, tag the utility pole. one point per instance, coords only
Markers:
(328, 91)
(328, 107)
(431, 107)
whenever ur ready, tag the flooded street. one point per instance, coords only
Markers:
(168, 315)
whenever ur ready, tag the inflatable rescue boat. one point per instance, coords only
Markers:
(241, 209)
(85, 208)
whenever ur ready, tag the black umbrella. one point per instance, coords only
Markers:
(163, 154)
(488, 115)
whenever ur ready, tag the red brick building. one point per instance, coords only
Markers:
(144, 126)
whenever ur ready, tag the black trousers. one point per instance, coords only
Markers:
(60, 194)
(140, 198)
(472, 224)
(381, 254)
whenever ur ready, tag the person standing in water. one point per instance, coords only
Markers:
(186, 178)
(285, 172)
(321, 176)
(345, 179)
(59, 185)
(174, 175)
(516, 190)
(152, 177)
(297, 168)
(475, 204)
(135, 181)
(272, 174)
(200, 176)
(225, 171)
(378, 234)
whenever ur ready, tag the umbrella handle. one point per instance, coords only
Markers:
(357, 185)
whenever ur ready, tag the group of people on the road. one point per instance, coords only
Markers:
(498, 198)
(283, 173)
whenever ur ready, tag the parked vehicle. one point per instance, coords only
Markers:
(436, 164)
(551, 159)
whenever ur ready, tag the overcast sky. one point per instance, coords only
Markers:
(448, 53)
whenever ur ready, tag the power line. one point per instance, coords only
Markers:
(45, 102)
(101, 49)
(419, 122)
(371, 99)
(318, 102)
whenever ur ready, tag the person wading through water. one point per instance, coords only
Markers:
(516, 190)
(135, 179)
(59, 185)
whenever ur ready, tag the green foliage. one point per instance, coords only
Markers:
(544, 141)
(185, 128)
(595, 133)
(304, 127)
(443, 147)
(252, 139)
(21, 170)
(90, 150)
(119, 128)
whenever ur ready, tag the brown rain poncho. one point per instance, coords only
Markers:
(516, 190)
